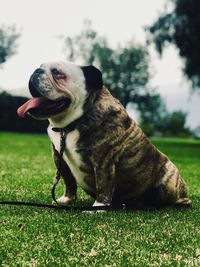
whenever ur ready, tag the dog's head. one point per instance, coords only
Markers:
(59, 91)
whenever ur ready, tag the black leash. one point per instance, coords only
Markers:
(63, 134)
(59, 207)
(119, 207)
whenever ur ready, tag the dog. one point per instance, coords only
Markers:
(106, 153)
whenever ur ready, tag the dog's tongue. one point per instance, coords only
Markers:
(30, 104)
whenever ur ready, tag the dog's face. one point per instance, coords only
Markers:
(59, 91)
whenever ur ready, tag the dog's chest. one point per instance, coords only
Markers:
(71, 156)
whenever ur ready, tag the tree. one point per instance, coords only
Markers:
(152, 111)
(174, 124)
(125, 71)
(8, 37)
(181, 27)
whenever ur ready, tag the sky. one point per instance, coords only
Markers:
(41, 22)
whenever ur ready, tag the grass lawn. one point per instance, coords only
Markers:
(42, 237)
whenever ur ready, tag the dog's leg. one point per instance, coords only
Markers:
(69, 195)
(171, 187)
(105, 183)
(104, 178)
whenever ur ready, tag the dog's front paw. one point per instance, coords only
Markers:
(100, 204)
(100, 207)
(65, 200)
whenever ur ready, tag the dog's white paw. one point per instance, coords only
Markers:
(98, 204)
(65, 200)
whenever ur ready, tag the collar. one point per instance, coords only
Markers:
(69, 128)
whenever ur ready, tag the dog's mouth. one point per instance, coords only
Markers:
(40, 106)
(43, 107)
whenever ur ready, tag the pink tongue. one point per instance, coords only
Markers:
(33, 103)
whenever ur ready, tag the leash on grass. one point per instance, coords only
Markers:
(58, 207)
(63, 134)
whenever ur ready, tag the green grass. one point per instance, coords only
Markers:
(41, 237)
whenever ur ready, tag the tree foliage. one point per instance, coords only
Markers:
(125, 72)
(181, 27)
(152, 111)
(174, 124)
(125, 69)
(8, 38)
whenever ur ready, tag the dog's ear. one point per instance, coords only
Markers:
(93, 77)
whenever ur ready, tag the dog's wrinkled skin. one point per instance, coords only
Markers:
(107, 154)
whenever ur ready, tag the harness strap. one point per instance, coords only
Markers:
(63, 134)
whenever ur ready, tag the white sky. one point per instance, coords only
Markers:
(41, 21)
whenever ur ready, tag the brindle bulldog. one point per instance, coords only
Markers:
(106, 153)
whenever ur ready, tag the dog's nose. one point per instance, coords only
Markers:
(38, 71)
(36, 74)
(34, 82)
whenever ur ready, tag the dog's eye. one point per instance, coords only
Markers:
(55, 72)
(58, 74)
